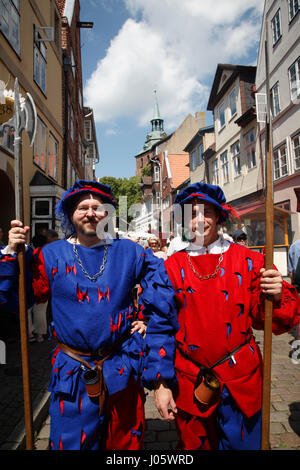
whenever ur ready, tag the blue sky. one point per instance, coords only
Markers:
(172, 46)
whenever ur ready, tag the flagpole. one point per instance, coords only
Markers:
(22, 275)
(268, 305)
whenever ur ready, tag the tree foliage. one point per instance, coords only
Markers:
(129, 187)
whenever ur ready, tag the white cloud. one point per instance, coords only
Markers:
(110, 132)
(173, 46)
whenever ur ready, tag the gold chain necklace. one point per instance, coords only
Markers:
(208, 276)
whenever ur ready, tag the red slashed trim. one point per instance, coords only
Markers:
(60, 444)
(162, 352)
(81, 295)
(8, 258)
(83, 437)
(71, 268)
(79, 402)
(54, 271)
(61, 405)
(103, 294)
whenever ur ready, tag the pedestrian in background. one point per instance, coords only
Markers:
(240, 237)
(155, 244)
(294, 273)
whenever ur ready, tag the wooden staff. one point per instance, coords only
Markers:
(268, 307)
(22, 276)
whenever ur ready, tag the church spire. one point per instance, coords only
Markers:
(157, 133)
(157, 122)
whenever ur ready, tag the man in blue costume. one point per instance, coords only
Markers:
(89, 283)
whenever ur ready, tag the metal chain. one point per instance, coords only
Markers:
(95, 277)
(208, 276)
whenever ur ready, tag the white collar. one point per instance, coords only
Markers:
(108, 240)
(213, 248)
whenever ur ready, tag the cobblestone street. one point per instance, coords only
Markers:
(159, 435)
(284, 413)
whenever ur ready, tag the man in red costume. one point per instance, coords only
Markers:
(220, 289)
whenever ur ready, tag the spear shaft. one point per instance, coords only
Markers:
(268, 306)
(22, 276)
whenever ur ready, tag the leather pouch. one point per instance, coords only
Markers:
(92, 382)
(207, 388)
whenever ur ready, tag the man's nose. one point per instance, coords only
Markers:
(90, 211)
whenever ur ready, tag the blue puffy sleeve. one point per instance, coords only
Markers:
(9, 272)
(157, 302)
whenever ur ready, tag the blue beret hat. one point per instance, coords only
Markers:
(205, 193)
(81, 187)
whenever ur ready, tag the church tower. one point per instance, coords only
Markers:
(157, 133)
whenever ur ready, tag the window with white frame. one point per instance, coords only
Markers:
(52, 156)
(200, 153)
(215, 172)
(10, 22)
(276, 26)
(157, 199)
(166, 202)
(88, 129)
(40, 144)
(236, 159)
(232, 102)
(221, 115)
(294, 76)
(91, 151)
(280, 162)
(41, 207)
(296, 150)
(225, 169)
(156, 173)
(293, 8)
(249, 142)
(275, 104)
(40, 64)
(38, 226)
(193, 160)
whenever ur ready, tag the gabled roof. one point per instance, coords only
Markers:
(197, 136)
(179, 169)
(246, 72)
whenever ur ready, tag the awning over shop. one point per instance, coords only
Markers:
(259, 208)
(252, 219)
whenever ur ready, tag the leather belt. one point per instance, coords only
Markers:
(98, 364)
(220, 361)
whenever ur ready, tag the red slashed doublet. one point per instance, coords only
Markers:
(217, 315)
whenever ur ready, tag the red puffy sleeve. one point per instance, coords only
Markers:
(40, 281)
(286, 312)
